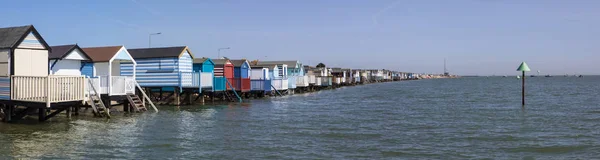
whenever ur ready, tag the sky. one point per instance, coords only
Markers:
(476, 37)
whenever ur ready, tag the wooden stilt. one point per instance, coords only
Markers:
(8, 112)
(212, 96)
(69, 109)
(77, 108)
(160, 95)
(189, 97)
(201, 97)
(176, 96)
(41, 114)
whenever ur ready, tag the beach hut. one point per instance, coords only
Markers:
(295, 73)
(165, 67)
(25, 79)
(279, 75)
(67, 60)
(339, 75)
(260, 78)
(206, 68)
(105, 67)
(241, 75)
(223, 71)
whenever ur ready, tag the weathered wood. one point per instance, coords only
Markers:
(69, 109)
(56, 112)
(189, 97)
(176, 94)
(42, 114)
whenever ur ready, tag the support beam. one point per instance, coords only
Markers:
(46, 117)
(21, 114)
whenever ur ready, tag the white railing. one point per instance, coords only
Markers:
(301, 81)
(206, 80)
(95, 82)
(279, 83)
(104, 81)
(312, 79)
(48, 89)
(119, 85)
(318, 81)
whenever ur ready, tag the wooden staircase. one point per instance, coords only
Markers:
(136, 102)
(94, 100)
(229, 96)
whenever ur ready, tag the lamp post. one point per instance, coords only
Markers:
(150, 38)
(219, 51)
(523, 68)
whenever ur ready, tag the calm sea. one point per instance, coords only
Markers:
(467, 118)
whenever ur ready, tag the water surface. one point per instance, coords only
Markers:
(467, 118)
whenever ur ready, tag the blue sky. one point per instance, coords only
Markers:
(481, 37)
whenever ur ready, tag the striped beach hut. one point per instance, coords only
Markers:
(165, 67)
(25, 80)
(223, 71)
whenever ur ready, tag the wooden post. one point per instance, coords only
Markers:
(41, 114)
(8, 112)
(523, 90)
(77, 107)
(201, 97)
(69, 108)
(189, 96)
(160, 96)
(176, 96)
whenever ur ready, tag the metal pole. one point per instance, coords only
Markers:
(149, 40)
(523, 90)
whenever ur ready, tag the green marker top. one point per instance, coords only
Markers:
(523, 67)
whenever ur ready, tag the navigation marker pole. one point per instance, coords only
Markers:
(523, 68)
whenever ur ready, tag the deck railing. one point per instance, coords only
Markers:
(89, 90)
(206, 80)
(280, 83)
(326, 81)
(302, 81)
(240, 84)
(292, 81)
(312, 79)
(48, 89)
(121, 85)
(318, 81)
(260, 85)
(189, 79)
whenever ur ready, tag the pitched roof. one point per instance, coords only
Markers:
(200, 60)
(262, 66)
(290, 64)
(238, 63)
(139, 53)
(219, 61)
(102, 54)
(11, 36)
(58, 52)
